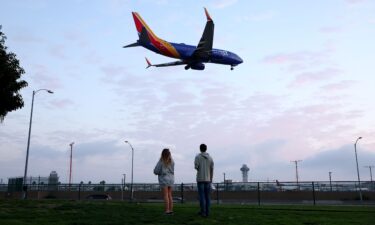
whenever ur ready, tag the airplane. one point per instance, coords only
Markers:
(193, 57)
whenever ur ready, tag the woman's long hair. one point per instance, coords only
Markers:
(166, 157)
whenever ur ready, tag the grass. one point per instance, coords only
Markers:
(15, 212)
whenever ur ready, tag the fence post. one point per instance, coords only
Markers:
(182, 193)
(313, 190)
(258, 194)
(217, 193)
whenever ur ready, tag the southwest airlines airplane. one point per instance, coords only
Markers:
(193, 57)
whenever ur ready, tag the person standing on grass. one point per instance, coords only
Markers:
(165, 171)
(205, 169)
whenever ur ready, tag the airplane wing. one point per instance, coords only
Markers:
(175, 63)
(205, 44)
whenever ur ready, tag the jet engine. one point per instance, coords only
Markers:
(197, 66)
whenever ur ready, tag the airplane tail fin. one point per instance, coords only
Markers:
(144, 32)
(141, 25)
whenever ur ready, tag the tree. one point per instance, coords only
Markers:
(10, 85)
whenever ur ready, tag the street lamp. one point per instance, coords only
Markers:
(225, 185)
(370, 172)
(131, 184)
(70, 168)
(330, 180)
(296, 162)
(123, 186)
(356, 160)
(28, 141)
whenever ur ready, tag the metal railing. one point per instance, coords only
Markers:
(222, 192)
(336, 186)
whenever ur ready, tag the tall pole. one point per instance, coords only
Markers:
(28, 141)
(370, 172)
(330, 180)
(123, 187)
(70, 168)
(225, 185)
(296, 163)
(131, 184)
(356, 160)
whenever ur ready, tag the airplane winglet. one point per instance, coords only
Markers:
(207, 15)
(148, 63)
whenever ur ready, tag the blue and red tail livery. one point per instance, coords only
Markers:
(193, 57)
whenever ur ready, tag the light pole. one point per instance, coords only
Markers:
(330, 180)
(356, 160)
(131, 184)
(296, 162)
(370, 172)
(225, 185)
(123, 186)
(70, 168)
(28, 141)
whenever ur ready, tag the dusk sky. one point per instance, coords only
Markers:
(304, 92)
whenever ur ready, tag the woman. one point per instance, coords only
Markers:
(165, 171)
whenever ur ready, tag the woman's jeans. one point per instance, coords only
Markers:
(204, 190)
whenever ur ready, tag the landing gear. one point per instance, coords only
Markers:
(231, 68)
(187, 67)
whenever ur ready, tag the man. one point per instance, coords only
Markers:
(205, 169)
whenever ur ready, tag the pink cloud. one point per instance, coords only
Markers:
(330, 29)
(355, 1)
(224, 3)
(111, 70)
(76, 37)
(284, 58)
(58, 51)
(62, 104)
(311, 77)
(42, 76)
(338, 86)
(28, 38)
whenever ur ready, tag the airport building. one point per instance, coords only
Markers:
(16, 183)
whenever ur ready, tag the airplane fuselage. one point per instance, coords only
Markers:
(185, 52)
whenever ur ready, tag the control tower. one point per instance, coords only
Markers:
(244, 169)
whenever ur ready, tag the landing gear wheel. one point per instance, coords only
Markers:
(187, 67)
(231, 68)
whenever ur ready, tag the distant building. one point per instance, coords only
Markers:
(15, 183)
(245, 170)
(53, 181)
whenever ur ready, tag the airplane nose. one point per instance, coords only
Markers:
(239, 60)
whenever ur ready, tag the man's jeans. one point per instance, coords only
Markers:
(204, 190)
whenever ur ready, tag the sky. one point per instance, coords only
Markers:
(304, 92)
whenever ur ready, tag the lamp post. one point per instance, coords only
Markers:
(296, 162)
(370, 172)
(225, 185)
(70, 168)
(123, 186)
(330, 180)
(356, 160)
(28, 141)
(131, 184)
